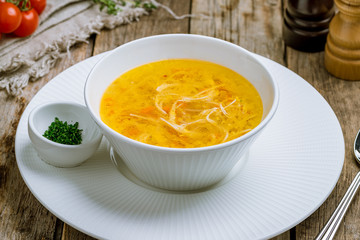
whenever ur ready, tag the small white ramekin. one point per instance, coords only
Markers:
(62, 155)
(174, 168)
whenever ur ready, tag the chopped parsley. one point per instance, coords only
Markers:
(62, 132)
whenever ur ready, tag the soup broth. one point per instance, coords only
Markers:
(181, 103)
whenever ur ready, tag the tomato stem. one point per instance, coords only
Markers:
(23, 5)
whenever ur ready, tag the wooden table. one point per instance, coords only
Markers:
(254, 25)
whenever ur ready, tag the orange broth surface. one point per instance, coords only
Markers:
(181, 103)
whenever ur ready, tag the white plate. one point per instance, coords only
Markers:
(293, 167)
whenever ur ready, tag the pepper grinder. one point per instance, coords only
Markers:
(306, 24)
(342, 51)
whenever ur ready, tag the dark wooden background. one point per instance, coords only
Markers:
(252, 24)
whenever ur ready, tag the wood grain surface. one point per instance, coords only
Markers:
(252, 24)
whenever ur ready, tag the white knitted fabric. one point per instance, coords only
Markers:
(62, 24)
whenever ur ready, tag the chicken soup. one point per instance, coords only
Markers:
(181, 103)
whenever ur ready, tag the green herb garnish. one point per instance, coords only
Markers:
(62, 132)
(115, 6)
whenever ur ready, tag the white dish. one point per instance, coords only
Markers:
(295, 164)
(63, 155)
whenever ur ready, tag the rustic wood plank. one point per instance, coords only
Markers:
(284, 236)
(343, 97)
(21, 215)
(248, 23)
(158, 22)
(71, 233)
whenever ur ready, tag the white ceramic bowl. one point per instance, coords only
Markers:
(174, 168)
(62, 155)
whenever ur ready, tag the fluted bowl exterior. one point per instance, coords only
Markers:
(180, 168)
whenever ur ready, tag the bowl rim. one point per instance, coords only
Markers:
(142, 145)
(31, 124)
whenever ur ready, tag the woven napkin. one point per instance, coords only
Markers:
(62, 24)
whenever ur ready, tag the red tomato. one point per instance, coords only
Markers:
(39, 5)
(29, 23)
(10, 17)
